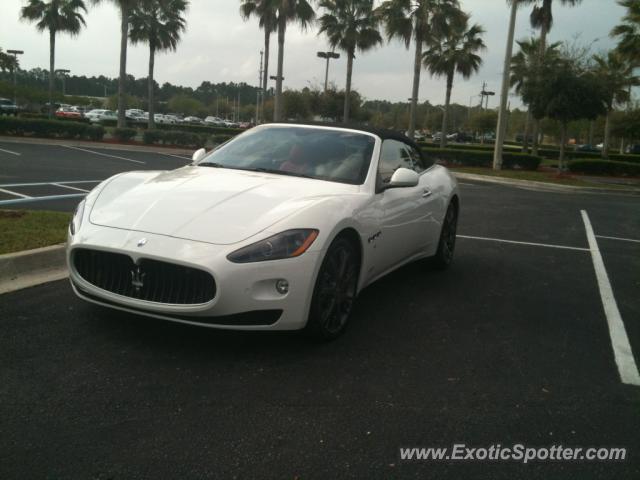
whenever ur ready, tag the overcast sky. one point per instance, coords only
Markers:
(219, 46)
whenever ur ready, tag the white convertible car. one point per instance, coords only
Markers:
(278, 229)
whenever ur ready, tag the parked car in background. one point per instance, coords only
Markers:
(68, 112)
(196, 120)
(173, 119)
(100, 115)
(633, 149)
(436, 137)
(587, 148)
(164, 119)
(214, 121)
(7, 107)
(135, 116)
(245, 125)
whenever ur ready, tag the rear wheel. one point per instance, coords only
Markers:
(335, 291)
(447, 243)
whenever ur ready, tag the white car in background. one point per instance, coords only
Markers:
(214, 121)
(99, 115)
(279, 229)
(196, 120)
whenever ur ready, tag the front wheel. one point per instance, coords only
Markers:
(447, 244)
(335, 291)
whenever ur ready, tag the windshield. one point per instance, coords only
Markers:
(334, 155)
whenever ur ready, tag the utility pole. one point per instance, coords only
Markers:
(328, 56)
(260, 92)
(484, 96)
(15, 54)
(504, 94)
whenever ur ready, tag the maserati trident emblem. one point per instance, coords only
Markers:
(142, 242)
(137, 278)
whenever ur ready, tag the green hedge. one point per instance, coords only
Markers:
(181, 138)
(125, 134)
(475, 158)
(50, 128)
(203, 129)
(604, 167)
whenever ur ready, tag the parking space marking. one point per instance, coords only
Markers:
(70, 187)
(533, 244)
(9, 151)
(103, 154)
(16, 194)
(618, 238)
(38, 184)
(175, 156)
(627, 367)
(47, 198)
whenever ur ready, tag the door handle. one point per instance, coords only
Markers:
(426, 193)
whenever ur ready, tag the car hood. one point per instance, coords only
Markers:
(213, 205)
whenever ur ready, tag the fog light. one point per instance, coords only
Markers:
(282, 286)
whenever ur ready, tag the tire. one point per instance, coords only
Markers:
(447, 243)
(334, 292)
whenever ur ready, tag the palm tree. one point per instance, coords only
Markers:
(457, 52)
(266, 12)
(525, 69)
(125, 7)
(8, 62)
(628, 32)
(542, 19)
(288, 11)
(158, 23)
(55, 16)
(350, 25)
(616, 77)
(417, 20)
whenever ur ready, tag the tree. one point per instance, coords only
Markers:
(417, 20)
(288, 11)
(158, 23)
(524, 72)
(616, 77)
(125, 7)
(184, 104)
(8, 62)
(456, 52)
(266, 11)
(542, 19)
(566, 94)
(628, 32)
(350, 25)
(55, 16)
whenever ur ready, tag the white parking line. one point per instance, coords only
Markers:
(10, 192)
(70, 187)
(175, 156)
(621, 347)
(618, 238)
(103, 154)
(36, 184)
(9, 151)
(533, 244)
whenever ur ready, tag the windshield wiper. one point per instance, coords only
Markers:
(279, 172)
(210, 164)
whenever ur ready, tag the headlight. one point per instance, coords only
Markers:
(289, 244)
(76, 221)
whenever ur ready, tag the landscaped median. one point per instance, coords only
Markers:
(30, 248)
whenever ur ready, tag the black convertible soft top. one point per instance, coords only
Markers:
(383, 133)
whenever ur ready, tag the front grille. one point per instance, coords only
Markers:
(150, 280)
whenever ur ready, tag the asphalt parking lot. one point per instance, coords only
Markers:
(511, 345)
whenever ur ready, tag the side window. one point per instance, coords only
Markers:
(418, 160)
(394, 155)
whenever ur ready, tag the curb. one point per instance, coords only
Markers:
(32, 267)
(543, 185)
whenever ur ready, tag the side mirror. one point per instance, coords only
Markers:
(403, 177)
(198, 154)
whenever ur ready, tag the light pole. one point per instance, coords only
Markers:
(328, 56)
(15, 54)
(502, 115)
(63, 74)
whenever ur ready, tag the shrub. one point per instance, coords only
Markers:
(476, 158)
(50, 128)
(169, 137)
(604, 167)
(125, 134)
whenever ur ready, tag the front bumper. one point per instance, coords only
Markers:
(245, 299)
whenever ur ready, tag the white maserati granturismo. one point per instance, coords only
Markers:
(278, 229)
